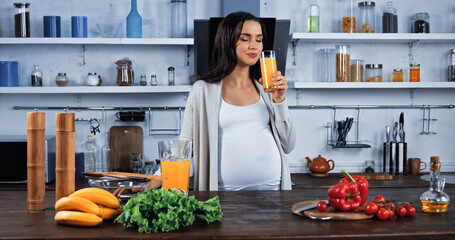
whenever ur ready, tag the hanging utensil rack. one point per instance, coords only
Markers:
(151, 129)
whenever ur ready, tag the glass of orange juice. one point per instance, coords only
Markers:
(268, 68)
(175, 163)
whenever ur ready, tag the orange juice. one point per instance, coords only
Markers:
(176, 171)
(268, 68)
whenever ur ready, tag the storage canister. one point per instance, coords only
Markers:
(452, 65)
(390, 19)
(178, 18)
(357, 70)
(421, 23)
(397, 75)
(414, 72)
(9, 74)
(22, 20)
(348, 20)
(373, 72)
(342, 58)
(326, 65)
(366, 17)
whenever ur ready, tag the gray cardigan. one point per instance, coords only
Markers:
(200, 125)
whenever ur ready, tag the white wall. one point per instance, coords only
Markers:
(311, 134)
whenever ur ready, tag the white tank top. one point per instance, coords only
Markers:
(249, 158)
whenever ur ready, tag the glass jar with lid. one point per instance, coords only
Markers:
(390, 19)
(22, 20)
(421, 23)
(366, 17)
(171, 75)
(61, 79)
(414, 72)
(342, 59)
(452, 65)
(178, 18)
(397, 75)
(326, 65)
(125, 74)
(356, 70)
(143, 81)
(373, 73)
(348, 20)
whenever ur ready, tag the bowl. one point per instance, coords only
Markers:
(111, 184)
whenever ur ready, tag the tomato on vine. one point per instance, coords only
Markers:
(383, 213)
(371, 208)
(322, 206)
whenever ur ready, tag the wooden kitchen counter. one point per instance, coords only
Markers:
(247, 215)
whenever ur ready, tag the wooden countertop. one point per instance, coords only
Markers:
(247, 215)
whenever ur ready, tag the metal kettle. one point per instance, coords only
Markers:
(125, 73)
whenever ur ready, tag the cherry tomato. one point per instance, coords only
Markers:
(401, 211)
(391, 206)
(410, 212)
(391, 213)
(322, 206)
(371, 208)
(379, 198)
(383, 213)
(408, 206)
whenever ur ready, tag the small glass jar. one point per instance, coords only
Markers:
(452, 65)
(150, 167)
(153, 80)
(348, 20)
(22, 20)
(171, 76)
(414, 72)
(356, 70)
(136, 164)
(369, 166)
(61, 79)
(37, 77)
(390, 19)
(366, 17)
(397, 75)
(373, 73)
(421, 23)
(92, 79)
(342, 59)
(143, 81)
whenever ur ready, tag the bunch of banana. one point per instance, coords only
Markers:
(87, 207)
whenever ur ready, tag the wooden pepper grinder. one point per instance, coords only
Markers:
(36, 175)
(65, 155)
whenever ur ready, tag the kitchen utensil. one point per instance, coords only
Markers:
(402, 133)
(308, 207)
(386, 151)
(319, 164)
(395, 132)
(124, 175)
(332, 213)
(124, 140)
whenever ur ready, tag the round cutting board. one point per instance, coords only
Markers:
(331, 213)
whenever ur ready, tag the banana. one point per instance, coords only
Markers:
(109, 213)
(98, 196)
(77, 204)
(77, 218)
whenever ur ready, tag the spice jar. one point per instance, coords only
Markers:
(37, 77)
(348, 18)
(356, 70)
(390, 19)
(397, 75)
(421, 23)
(452, 65)
(61, 79)
(125, 74)
(22, 20)
(373, 73)
(171, 75)
(153, 80)
(366, 17)
(414, 72)
(92, 79)
(342, 63)
(143, 81)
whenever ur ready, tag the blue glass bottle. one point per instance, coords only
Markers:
(134, 22)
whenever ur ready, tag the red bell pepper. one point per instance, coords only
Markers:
(344, 196)
(362, 185)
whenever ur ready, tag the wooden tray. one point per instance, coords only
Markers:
(358, 214)
(373, 176)
(124, 141)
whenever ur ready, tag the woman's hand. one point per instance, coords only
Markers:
(279, 81)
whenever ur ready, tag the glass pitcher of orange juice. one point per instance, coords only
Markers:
(268, 68)
(175, 163)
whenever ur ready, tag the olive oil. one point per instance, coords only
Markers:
(435, 200)
(434, 207)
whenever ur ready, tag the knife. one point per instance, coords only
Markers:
(395, 132)
(311, 206)
(402, 134)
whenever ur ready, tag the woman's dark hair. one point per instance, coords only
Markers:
(224, 58)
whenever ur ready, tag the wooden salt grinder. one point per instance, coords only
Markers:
(36, 175)
(65, 155)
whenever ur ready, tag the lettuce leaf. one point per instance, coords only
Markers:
(167, 210)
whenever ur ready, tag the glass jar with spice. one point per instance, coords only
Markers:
(171, 76)
(356, 70)
(348, 17)
(342, 63)
(373, 73)
(22, 20)
(414, 72)
(452, 65)
(366, 17)
(397, 75)
(421, 23)
(390, 19)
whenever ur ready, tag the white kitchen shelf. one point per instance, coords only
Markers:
(97, 89)
(100, 41)
(372, 37)
(372, 85)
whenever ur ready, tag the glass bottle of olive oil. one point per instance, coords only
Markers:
(435, 200)
(313, 18)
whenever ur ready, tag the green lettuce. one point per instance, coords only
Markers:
(167, 210)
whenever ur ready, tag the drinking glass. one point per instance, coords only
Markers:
(175, 163)
(268, 68)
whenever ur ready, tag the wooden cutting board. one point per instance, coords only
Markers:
(374, 176)
(358, 214)
(124, 141)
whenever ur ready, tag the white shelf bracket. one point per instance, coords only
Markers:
(187, 52)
